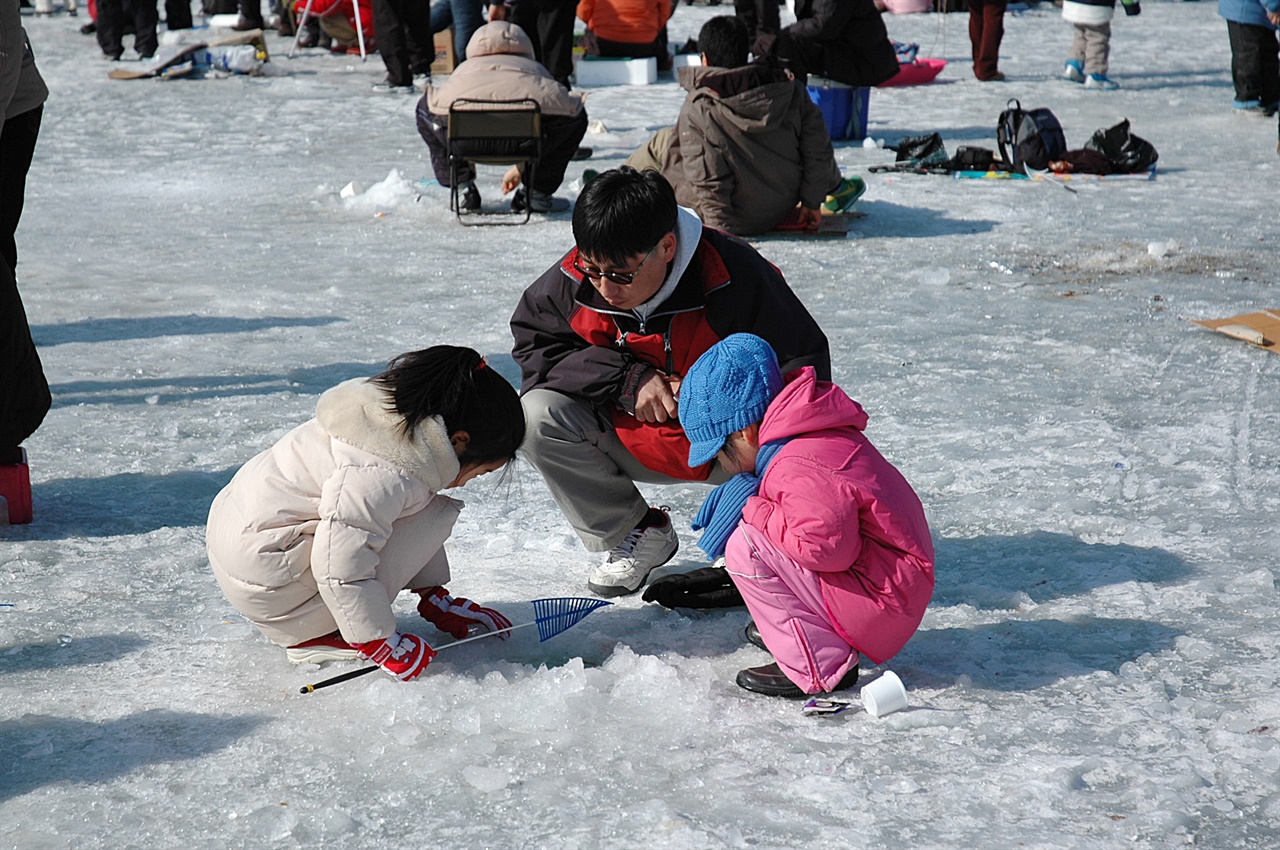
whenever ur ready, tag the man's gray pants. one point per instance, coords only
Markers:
(591, 475)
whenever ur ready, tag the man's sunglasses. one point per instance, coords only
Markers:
(620, 278)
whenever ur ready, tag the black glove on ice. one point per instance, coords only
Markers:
(1134, 8)
(709, 587)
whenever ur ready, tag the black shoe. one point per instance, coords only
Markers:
(538, 202)
(751, 634)
(468, 198)
(244, 25)
(771, 681)
(581, 153)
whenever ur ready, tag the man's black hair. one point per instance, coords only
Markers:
(725, 41)
(622, 213)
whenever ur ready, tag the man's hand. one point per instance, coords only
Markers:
(497, 12)
(511, 180)
(655, 399)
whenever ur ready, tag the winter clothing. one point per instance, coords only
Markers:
(549, 25)
(631, 21)
(833, 555)
(501, 67)
(24, 392)
(748, 145)
(1255, 51)
(465, 16)
(111, 27)
(842, 40)
(324, 529)
(582, 359)
(1253, 12)
(1091, 38)
(721, 511)
(22, 97)
(729, 388)
(986, 30)
(403, 31)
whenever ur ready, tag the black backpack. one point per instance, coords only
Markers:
(1029, 137)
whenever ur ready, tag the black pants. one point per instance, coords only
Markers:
(403, 31)
(251, 11)
(561, 135)
(1255, 62)
(760, 16)
(177, 14)
(549, 25)
(24, 392)
(17, 146)
(110, 32)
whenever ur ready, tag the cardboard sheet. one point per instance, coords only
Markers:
(1261, 328)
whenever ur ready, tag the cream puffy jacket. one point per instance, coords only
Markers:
(312, 514)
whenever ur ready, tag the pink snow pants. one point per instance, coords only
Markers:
(785, 600)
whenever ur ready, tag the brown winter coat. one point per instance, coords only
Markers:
(749, 145)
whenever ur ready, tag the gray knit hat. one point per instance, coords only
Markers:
(728, 388)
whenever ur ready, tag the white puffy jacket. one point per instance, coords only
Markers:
(301, 539)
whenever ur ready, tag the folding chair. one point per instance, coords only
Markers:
(493, 132)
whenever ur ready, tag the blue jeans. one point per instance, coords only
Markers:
(465, 16)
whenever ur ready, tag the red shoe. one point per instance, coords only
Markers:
(330, 647)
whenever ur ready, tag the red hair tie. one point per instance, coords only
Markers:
(481, 364)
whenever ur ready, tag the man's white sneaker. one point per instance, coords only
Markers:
(649, 545)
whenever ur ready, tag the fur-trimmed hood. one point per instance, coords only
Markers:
(358, 413)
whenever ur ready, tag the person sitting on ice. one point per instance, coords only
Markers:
(750, 151)
(630, 28)
(500, 66)
(824, 537)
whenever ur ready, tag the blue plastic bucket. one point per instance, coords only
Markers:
(844, 108)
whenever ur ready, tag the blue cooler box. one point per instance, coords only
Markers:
(844, 108)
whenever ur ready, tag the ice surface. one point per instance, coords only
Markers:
(1101, 664)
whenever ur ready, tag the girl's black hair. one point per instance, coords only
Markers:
(456, 384)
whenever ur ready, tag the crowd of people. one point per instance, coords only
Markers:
(660, 348)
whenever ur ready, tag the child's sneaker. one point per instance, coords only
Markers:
(845, 195)
(650, 544)
(1073, 70)
(1101, 82)
(330, 647)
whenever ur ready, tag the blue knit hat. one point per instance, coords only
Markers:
(728, 388)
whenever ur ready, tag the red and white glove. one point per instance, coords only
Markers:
(456, 616)
(402, 656)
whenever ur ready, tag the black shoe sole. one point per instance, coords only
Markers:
(789, 690)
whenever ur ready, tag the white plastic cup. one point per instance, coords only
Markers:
(885, 695)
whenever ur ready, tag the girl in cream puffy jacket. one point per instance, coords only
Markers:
(313, 538)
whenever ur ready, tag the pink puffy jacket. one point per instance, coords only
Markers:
(832, 502)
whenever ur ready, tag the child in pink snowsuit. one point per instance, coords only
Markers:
(824, 538)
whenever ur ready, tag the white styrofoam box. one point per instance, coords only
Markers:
(680, 60)
(597, 71)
